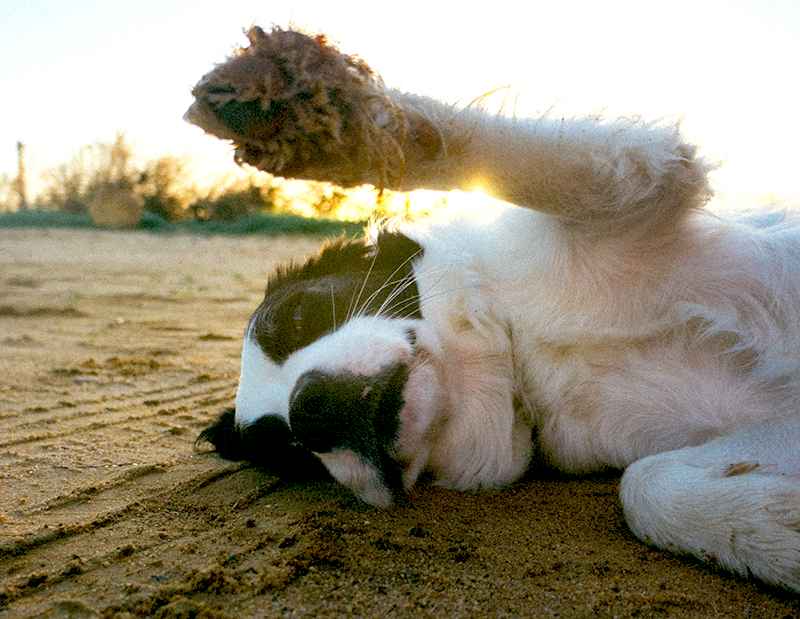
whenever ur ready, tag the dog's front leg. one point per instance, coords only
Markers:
(734, 502)
(294, 106)
(598, 176)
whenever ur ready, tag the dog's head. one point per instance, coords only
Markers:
(336, 369)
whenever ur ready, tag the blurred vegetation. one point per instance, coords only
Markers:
(268, 224)
(106, 182)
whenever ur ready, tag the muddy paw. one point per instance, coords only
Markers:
(295, 106)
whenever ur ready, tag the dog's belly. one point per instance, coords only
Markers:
(608, 405)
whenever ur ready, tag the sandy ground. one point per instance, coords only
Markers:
(117, 348)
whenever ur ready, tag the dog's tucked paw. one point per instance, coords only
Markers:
(268, 444)
(295, 106)
(734, 515)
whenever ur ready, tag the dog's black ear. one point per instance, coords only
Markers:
(397, 250)
(267, 443)
(223, 435)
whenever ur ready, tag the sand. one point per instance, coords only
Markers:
(117, 348)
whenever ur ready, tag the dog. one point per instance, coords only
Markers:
(597, 316)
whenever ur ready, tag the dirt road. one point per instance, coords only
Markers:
(117, 348)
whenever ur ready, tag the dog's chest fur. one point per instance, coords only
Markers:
(605, 357)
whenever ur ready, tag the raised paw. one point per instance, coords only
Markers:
(296, 107)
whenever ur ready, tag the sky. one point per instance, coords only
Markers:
(79, 71)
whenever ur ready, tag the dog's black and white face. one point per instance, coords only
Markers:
(335, 369)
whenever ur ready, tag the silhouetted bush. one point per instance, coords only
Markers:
(166, 187)
(232, 205)
(107, 176)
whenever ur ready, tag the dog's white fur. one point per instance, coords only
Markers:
(625, 324)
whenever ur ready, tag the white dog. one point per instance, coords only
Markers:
(605, 321)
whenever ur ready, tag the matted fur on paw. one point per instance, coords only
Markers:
(295, 106)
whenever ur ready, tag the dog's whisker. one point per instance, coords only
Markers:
(363, 310)
(333, 307)
(389, 302)
(387, 282)
(357, 299)
(399, 311)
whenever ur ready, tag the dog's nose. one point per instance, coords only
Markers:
(326, 409)
(346, 411)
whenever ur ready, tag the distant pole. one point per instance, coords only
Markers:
(22, 182)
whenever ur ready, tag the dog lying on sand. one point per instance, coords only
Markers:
(602, 319)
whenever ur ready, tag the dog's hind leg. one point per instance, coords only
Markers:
(296, 107)
(734, 502)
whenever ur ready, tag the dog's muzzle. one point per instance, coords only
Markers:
(350, 413)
